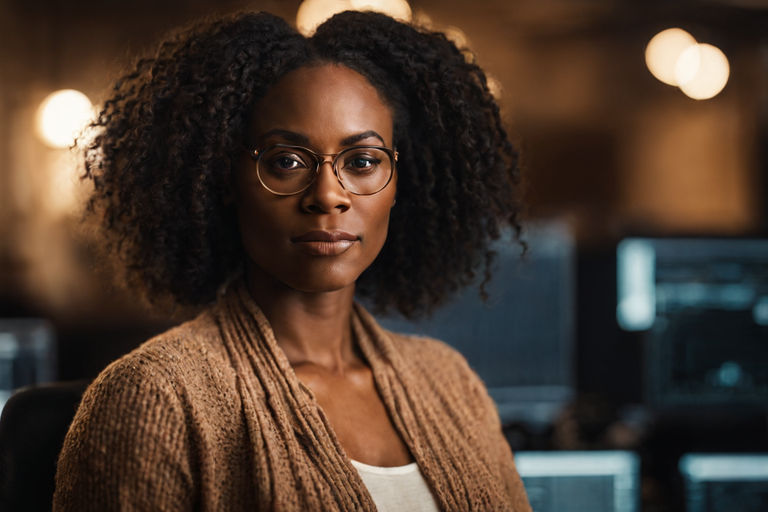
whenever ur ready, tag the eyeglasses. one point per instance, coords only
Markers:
(285, 170)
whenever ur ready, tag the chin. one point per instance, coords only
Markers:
(322, 275)
(320, 284)
(313, 276)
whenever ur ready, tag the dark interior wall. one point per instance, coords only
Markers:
(575, 94)
(605, 147)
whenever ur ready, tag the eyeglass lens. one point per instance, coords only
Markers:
(289, 170)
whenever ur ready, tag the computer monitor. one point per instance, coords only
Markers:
(702, 307)
(578, 481)
(27, 354)
(725, 482)
(521, 341)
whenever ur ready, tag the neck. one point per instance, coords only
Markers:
(312, 328)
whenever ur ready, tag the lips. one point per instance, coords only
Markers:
(325, 236)
(325, 243)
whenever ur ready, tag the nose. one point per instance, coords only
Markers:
(326, 194)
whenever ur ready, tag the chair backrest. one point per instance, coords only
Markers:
(33, 424)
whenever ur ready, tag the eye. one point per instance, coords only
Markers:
(286, 162)
(361, 162)
(283, 161)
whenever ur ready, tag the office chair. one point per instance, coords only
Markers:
(32, 428)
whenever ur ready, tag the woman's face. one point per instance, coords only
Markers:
(323, 238)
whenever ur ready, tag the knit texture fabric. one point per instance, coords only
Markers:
(211, 416)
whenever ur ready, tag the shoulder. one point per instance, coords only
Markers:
(129, 432)
(432, 354)
(134, 424)
(173, 372)
(191, 339)
(177, 354)
(444, 368)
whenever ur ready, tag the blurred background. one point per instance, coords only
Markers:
(635, 330)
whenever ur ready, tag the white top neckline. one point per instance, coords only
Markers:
(382, 470)
(398, 488)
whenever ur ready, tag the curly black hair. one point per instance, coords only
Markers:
(169, 138)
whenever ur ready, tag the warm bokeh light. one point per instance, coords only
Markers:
(699, 70)
(61, 116)
(314, 12)
(63, 191)
(422, 19)
(702, 71)
(663, 51)
(398, 9)
(495, 87)
(456, 35)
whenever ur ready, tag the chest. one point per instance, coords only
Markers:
(359, 419)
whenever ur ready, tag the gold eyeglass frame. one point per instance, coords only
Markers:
(320, 159)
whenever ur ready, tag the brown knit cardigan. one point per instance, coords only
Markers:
(210, 416)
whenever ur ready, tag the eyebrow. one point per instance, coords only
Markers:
(298, 138)
(361, 136)
(290, 136)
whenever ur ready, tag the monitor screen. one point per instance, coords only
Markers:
(521, 341)
(702, 305)
(27, 354)
(606, 481)
(715, 482)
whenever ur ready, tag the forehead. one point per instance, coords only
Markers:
(326, 103)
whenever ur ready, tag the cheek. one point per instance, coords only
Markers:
(379, 223)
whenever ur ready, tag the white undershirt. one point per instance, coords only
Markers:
(397, 489)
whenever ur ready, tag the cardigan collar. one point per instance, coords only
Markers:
(295, 438)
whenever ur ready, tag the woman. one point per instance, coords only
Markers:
(270, 177)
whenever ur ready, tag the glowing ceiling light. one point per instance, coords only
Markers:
(663, 51)
(398, 9)
(702, 71)
(312, 13)
(61, 116)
